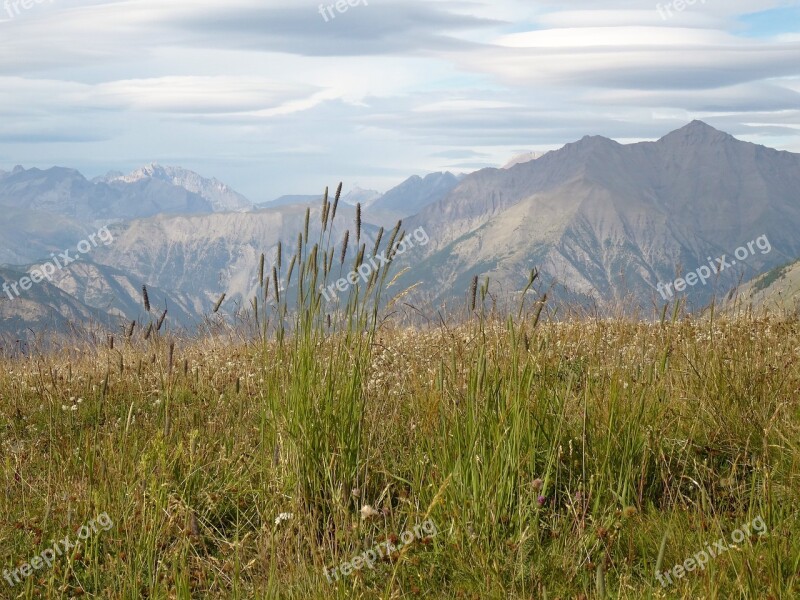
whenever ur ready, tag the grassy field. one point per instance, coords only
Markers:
(515, 457)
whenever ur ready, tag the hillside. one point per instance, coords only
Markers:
(612, 221)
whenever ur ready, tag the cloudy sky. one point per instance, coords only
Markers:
(278, 96)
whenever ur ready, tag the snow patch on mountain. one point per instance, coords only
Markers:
(220, 195)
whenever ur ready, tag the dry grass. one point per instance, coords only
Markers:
(694, 424)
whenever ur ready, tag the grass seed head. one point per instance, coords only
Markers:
(145, 298)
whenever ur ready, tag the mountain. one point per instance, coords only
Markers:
(119, 294)
(776, 291)
(221, 197)
(48, 210)
(359, 195)
(81, 293)
(108, 177)
(408, 198)
(416, 192)
(67, 193)
(609, 222)
(305, 200)
(27, 235)
(400, 202)
(196, 258)
(355, 196)
(523, 158)
(42, 308)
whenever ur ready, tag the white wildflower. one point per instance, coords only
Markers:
(285, 516)
(367, 512)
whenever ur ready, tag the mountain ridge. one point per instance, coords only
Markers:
(614, 219)
(604, 223)
(221, 197)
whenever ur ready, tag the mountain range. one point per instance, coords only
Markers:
(608, 222)
(49, 210)
(606, 225)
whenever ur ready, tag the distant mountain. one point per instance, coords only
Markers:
(410, 197)
(402, 201)
(42, 308)
(67, 193)
(221, 197)
(523, 158)
(355, 196)
(81, 293)
(196, 258)
(49, 210)
(305, 200)
(416, 192)
(108, 177)
(609, 222)
(116, 293)
(27, 235)
(359, 195)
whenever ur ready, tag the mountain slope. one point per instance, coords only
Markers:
(776, 291)
(39, 311)
(27, 235)
(415, 193)
(116, 293)
(49, 210)
(196, 258)
(611, 221)
(523, 158)
(408, 198)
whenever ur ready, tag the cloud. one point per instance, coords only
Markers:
(458, 154)
(220, 94)
(632, 58)
(382, 27)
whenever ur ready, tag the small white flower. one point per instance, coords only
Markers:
(283, 517)
(367, 512)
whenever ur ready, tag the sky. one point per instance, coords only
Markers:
(286, 97)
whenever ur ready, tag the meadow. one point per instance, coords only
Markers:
(557, 459)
